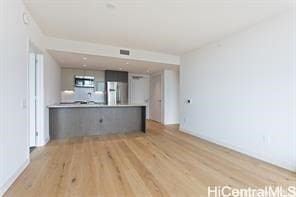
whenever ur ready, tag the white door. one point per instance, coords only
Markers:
(33, 98)
(156, 100)
(139, 91)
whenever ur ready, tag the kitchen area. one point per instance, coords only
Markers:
(94, 86)
(100, 95)
(94, 102)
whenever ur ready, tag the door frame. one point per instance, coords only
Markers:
(32, 93)
(36, 127)
(161, 95)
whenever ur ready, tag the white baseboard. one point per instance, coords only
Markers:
(43, 143)
(171, 123)
(11, 180)
(46, 141)
(238, 149)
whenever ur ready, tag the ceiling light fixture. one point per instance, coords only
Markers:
(84, 65)
(127, 63)
(84, 58)
(120, 68)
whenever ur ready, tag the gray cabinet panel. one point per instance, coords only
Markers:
(116, 76)
(76, 122)
(111, 75)
(122, 77)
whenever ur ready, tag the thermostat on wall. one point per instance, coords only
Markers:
(188, 101)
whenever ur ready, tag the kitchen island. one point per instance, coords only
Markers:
(77, 120)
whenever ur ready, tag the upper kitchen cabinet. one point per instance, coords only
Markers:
(88, 73)
(99, 75)
(99, 80)
(69, 74)
(79, 72)
(68, 79)
(116, 76)
(122, 77)
(111, 75)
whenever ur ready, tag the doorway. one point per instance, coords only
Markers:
(139, 92)
(156, 98)
(35, 76)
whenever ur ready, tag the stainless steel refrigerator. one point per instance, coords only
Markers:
(117, 93)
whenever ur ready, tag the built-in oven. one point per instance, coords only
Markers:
(84, 81)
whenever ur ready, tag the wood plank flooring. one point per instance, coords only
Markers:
(162, 162)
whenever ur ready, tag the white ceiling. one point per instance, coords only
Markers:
(75, 60)
(170, 26)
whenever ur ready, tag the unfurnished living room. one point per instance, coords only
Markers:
(114, 98)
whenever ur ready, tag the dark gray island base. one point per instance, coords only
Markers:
(67, 121)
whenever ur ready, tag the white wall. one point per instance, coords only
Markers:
(14, 153)
(171, 96)
(51, 76)
(14, 139)
(52, 91)
(244, 92)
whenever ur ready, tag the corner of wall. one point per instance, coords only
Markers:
(13, 177)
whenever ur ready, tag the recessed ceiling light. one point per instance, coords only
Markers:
(127, 63)
(84, 65)
(84, 58)
(111, 5)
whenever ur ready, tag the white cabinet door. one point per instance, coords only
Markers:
(89, 73)
(79, 72)
(99, 75)
(67, 79)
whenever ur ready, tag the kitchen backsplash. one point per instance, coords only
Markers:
(82, 94)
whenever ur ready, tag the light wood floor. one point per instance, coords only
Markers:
(162, 162)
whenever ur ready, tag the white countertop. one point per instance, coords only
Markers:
(92, 105)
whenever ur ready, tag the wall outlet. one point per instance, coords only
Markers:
(266, 139)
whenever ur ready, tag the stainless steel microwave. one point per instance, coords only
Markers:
(84, 81)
